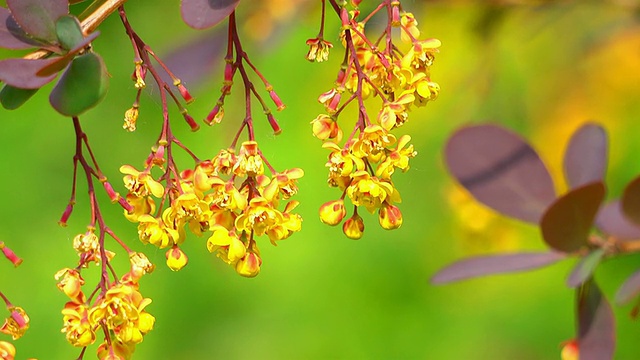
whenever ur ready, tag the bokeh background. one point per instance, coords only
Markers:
(539, 67)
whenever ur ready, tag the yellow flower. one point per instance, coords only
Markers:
(176, 258)
(249, 160)
(230, 249)
(370, 192)
(410, 29)
(249, 265)
(287, 181)
(16, 324)
(224, 162)
(7, 351)
(121, 310)
(290, 223)
(353, 228)
(390, 217)
(141, 206)
(318, 50)
(341, 165)
(152, 230)
(140, 265)
(325, 127)
(332, 212)
(396, 158)
(70, 283)
(77, 328)
(372, 143)
(139, 183)
(130, 119)
(258, 217)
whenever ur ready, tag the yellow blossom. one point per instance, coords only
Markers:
(16, 324)
(332, 212)
(154, 231)
(230, 249)
(77, 328)
(140, 183)
(249, 160)
(70, 283)
(258, 217)
(176, 258)
(7, 350)
(370, 192)
(249, 265)
(353, 228)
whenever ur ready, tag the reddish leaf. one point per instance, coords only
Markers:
(612, 221)
(11, 35)
(585, 160)
(61, 62)
(596, 324)
(629, 289)
(567, 223)
(494, 264)
(38, 17)
(585, 267)
(501, 170)
(22, 72)
(631, 201)
(201, 14)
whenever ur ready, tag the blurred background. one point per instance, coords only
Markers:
(541, 68)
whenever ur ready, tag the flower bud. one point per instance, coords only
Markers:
(66, 214)
(570, 350)
(332, 212)
(249, 265)
(390, 217)
(353, 228)
(176, 259)
(10, 255)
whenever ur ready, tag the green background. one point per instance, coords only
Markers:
(540, 70)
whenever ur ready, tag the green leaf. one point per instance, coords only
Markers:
(81, 87)
(69, 32)
(12, 97)
(566, 224)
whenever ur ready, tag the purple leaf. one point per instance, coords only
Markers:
(585, 160)
(495, 264)
(631, 201)
(629, 289)
(21, 73)
(585, 267)
(201, 14)
(567, 223)
(596, 324)
(38, 17)
(613, 222)
(11, 35)
(194, 62)
(501, 170)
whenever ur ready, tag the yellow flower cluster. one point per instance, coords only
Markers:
(119, 310)
(351, 169)
(229, 196)
(363, 167)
